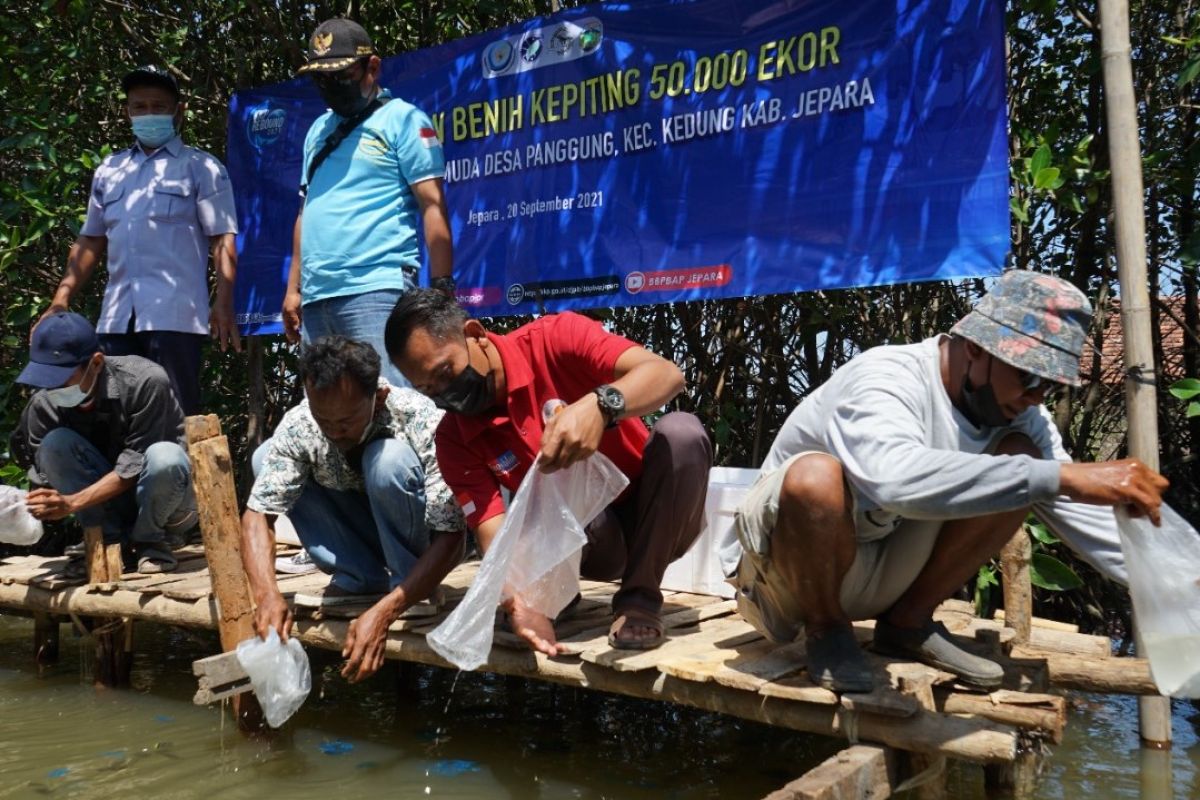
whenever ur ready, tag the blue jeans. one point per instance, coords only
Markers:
(361, 317)
(163, 497)
(368, 541)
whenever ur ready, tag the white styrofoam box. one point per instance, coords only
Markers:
(699, 569)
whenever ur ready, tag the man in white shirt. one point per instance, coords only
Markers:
(157, 209)
(890, 485)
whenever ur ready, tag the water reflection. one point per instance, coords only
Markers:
(417, 731)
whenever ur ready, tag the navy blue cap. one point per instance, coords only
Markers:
(61, 342)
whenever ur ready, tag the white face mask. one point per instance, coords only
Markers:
(74, 396)
(367, 429)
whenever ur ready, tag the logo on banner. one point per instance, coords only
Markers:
(562, 40)
(589, 40)
(564, 290)
(264, 124)
(542, 47)
(673, 280)
(498, 56)
(531, 47)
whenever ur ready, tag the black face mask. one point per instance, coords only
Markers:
(469, 393)
(344, 98)
(979, 404)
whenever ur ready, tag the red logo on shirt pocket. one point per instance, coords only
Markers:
(503, 464)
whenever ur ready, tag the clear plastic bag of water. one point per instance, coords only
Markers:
(17, 525)
(1164, 580)
(279, 674)
(535, 554)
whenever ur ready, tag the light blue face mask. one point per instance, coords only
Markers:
(74, 396)
(154, 130)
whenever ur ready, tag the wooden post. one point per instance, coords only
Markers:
(933, 787)
(114, 636)
(1015, 559)
(45, 639)
(1018, 779)
(1141, 400)
(861, 772)
(220, 526)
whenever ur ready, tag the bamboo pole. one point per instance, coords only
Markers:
(1154, 714)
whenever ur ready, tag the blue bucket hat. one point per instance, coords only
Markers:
(1034, 322)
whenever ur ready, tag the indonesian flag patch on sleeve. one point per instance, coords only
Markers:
(466, 503)
(429, 138)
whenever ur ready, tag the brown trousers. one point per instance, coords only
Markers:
(657, 519)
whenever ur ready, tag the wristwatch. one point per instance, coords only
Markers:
(445, 285)
(612, 404)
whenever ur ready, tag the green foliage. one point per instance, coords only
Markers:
(1186, 389)
(1045, 570)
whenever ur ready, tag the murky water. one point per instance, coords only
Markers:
(399, 735)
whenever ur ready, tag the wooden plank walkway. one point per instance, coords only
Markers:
(712, 659)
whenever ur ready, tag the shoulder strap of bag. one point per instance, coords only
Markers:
(344, 128)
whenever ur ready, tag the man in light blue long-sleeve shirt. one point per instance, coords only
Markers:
(889, 486)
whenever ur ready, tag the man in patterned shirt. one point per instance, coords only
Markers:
(354, 468)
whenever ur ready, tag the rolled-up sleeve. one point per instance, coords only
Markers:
(214, 197)
(281, 480)
(152, 417)
(93, 224)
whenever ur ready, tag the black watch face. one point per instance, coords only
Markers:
(613, 400)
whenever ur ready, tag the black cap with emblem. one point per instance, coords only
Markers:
(335, 45)
(150, 75)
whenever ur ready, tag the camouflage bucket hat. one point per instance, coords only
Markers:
(1034, 322)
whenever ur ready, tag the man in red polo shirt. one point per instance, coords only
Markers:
(494, 389)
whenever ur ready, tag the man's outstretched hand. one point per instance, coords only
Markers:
(1127, 482)
(366, 641)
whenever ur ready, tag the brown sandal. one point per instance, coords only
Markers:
(636, 618)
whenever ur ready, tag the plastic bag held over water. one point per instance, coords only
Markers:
(535, 554)
(279, 675)
(1164, 579)
(17, 525)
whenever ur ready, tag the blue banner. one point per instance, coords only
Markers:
(621, 154)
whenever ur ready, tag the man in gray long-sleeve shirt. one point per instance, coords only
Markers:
(889, 486)
(103, 440)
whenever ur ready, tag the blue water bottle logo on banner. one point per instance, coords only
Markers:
(264, 124)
